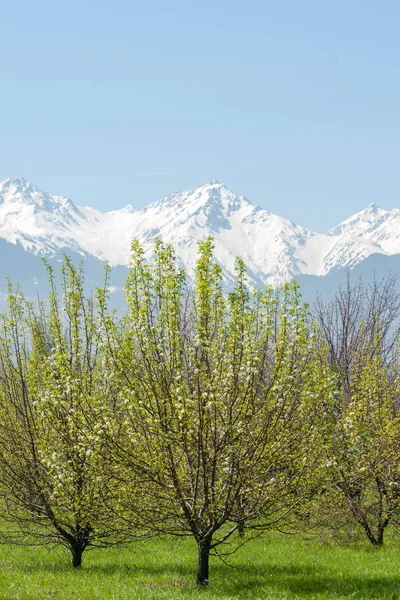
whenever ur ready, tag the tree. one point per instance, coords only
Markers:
(360, 330)
(363, 448)
(358, 313)
(219, 399)
(56, 399)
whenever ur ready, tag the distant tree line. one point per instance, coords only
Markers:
(198, 413)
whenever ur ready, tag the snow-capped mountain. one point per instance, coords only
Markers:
(34, 219)
(274, 249)
(375, 224)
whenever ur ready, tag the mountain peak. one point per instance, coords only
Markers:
(362, 223)
(371, 211)
(210, 196)
(373, 208)
(19, 191)
(129, 208)
(17, 184)
(210, 186)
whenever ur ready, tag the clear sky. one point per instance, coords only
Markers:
(295, 104)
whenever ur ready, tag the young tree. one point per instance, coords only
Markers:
(56, 398)
(360, 329)
(220, 400)
(363, 448)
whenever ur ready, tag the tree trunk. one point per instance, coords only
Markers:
(203, 560)
(368, 532)
(380, 536)
(241, 528)
(381, 531)
(76, 552)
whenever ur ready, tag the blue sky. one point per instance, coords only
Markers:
(294, 104)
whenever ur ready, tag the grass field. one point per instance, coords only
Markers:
(273, 568)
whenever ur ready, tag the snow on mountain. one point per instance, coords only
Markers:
(375, 225)
(274, 249)
(36, 220)
(266, 242)
(347, 252)
(19, 192)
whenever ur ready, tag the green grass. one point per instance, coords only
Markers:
(273, 568)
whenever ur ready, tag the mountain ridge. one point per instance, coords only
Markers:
(275, 249)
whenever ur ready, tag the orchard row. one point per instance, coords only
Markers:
(199, 412)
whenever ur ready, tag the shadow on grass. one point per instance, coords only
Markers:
(304, 582)
(244, 582)
(106, 569)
